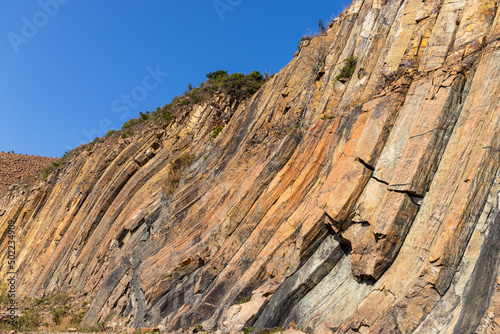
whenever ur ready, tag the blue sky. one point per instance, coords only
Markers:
(71, 69)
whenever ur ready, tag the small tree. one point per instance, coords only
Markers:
(321, 26)
(348, 70)
(218, 75)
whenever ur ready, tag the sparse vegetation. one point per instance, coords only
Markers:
(348, 70)
(58, 313)
(54, 312)
(248, 330)
(126, 134)
(271, 331)
(173, 179)
(110, 133)
(131, 122)
(76, 318)
(245, 299)
(237, 85)
(217, 131)
(144, 116)
(217, 75)
(304, 38)
(49, 170)
(167, 116)
(321, 26)
(97, 140)
(29, 321)
(101, 327)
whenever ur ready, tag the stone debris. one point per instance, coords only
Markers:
(13, 167)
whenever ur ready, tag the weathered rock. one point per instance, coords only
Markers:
(364, 206)
(16, 166)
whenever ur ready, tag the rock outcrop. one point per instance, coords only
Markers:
(368, 204)
(14, 167)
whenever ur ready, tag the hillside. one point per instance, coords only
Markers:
(355, 192)
(14, 167)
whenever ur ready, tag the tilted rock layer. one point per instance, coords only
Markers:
(370, 205)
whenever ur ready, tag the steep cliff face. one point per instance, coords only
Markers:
(370, 204)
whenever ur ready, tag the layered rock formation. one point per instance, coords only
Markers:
(370, 205)
(13, 167)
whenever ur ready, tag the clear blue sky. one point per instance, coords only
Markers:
(67, 66)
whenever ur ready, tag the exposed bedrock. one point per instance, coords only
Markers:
(367, 204)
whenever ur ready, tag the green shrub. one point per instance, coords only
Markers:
(348, 70)
(245, 299)
(97, 140)
(167, 116)
(195, 97)
(110, 133)
(76, 318)
(128, 124)
(184, 102)
(29, 321)
(4, 299)
(57, 314)
(60, 297)
(217, 75)
(39, 301)
(183, 160)
(242, 86)
(304, 38)
(237, 84)
(217, 130)
(321, 26)
(49, 170)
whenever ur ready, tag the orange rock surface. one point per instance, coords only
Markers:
(368, 205)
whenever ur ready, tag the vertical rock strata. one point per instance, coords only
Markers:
(369, 204)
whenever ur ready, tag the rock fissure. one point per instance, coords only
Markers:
(363, 204)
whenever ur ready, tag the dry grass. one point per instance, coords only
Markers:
(171, 182)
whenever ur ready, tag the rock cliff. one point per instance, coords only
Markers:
(367, 204)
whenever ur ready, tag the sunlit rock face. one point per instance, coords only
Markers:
(362, 204)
